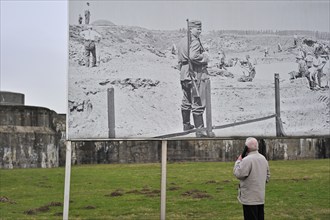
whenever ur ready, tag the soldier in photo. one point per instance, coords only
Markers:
(222, 57)
(295, 40)
(248, 69)
(193, 60)
(279, 48)
(317, 70)
(266, 52)
(87, 13)
(303, 70)
(90, 38)
(80, 19)
(309, 60)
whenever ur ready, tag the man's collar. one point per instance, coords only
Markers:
(253, 152)
(194, 36)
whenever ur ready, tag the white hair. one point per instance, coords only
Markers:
(252, 143)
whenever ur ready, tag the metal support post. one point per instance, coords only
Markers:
(67, 181)
(163, 182)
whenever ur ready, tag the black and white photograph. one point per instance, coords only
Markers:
(198, 69)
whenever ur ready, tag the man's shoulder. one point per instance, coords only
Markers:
(262, 158)
(195, 40)
(255, 154)
(195, 43)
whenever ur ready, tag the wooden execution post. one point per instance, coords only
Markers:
(163, 182)
(111, 112)
(67, 181)
(278, 121)
(208, 109)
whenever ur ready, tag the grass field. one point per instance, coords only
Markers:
(297, 190)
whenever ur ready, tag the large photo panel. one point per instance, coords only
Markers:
(198, 69)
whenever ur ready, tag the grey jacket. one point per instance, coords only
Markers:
(196, 57)
(253, 173)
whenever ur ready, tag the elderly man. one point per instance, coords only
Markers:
(253, 173)
(193, 78)
(90, 37)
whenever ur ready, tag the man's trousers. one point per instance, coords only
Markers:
(253, 212)
(90, 49)
(190, 101)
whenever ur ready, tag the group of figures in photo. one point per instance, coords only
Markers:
(87, 15)
(311, 64)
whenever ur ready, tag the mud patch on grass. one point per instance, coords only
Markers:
(30, 212)
(219, 189)
(146, 191)
(116, 193)
(150, 193)
(196, 194)
(174, 188)
(211, 182)
(305, 178)
(43, 184)
(90, 207)
(44, 208)
(134, 191)
(55, 204)
(5, 199)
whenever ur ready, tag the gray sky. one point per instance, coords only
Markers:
(34, 33)
(34, 51)
(215, 15)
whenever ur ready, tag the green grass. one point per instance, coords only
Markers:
(297, 190)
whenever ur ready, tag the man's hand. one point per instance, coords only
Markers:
(240, 157)
(206, 57)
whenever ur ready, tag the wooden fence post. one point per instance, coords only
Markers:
(278, 121)
(208, 109)
(111, 112)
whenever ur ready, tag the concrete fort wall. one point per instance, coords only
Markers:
(11, 98)
(195, 150)
(35, 137)
(30, 137)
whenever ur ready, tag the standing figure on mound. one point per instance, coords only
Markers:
(295, 40)
(90, 38)
(193, 61)
(80, 19)
(87, 13)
